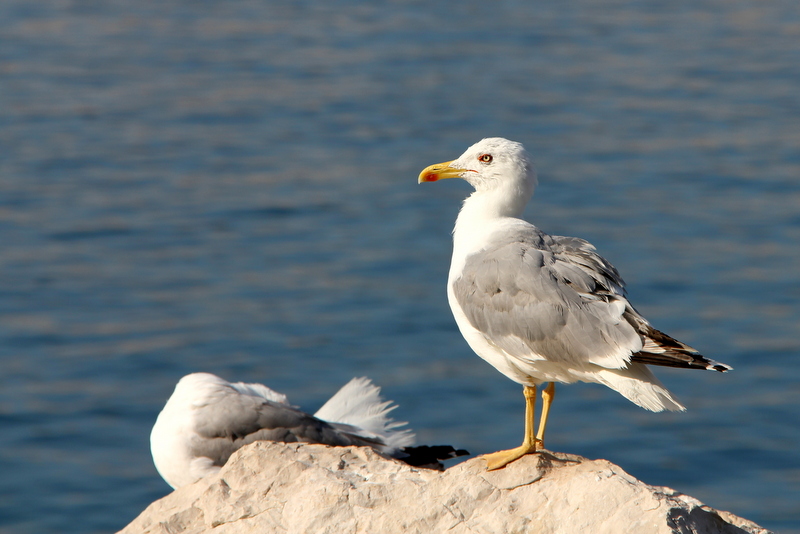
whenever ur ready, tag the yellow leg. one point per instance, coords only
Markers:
(548, 395)
(499, 459)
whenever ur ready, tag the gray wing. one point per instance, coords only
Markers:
(581, 266)
(547, 297)
(557, 298)
(231, 420)
(658, 348)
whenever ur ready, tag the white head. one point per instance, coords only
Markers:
(486, 164)
(497, 168)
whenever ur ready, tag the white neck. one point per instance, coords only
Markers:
(478, 217)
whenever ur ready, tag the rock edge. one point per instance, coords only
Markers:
(269, 487)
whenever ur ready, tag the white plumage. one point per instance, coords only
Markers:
(544, 308)
(207, 419)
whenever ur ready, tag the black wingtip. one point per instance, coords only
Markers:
(430, 456)
(721, 367)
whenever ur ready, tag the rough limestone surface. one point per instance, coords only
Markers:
(271, 487)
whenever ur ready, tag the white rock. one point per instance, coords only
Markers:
(271, 487)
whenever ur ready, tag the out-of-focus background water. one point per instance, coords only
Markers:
(231, 187)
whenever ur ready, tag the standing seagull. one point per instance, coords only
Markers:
(544, 308)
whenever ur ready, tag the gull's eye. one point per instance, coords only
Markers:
(485, 158)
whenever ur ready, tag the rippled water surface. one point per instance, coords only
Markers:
(231, 187)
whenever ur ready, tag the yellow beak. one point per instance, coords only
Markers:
(440, 171)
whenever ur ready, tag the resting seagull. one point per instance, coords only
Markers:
(544, 308)
(208, 418)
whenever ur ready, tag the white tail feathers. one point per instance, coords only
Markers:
(638, 384)
(359, 403)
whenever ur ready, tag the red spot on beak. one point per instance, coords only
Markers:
(430, 177)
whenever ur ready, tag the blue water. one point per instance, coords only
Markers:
(231, 187)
